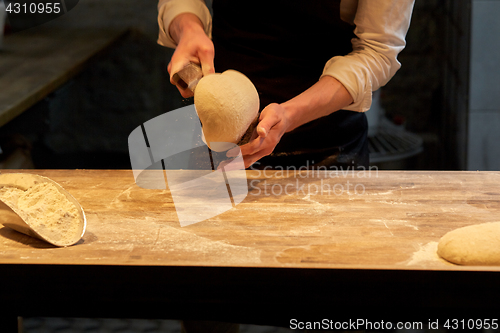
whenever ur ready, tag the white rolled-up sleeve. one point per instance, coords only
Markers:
(381, 28)
(169, 9)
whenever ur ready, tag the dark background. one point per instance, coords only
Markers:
(86, 123)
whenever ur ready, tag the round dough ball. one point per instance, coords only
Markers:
(227, 104)
(473, 245)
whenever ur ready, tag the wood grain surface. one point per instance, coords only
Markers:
(35, 62)
(360, 220)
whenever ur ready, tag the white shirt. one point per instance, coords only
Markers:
(381, 27)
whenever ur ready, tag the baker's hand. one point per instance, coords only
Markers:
(193, 45)
(273, 123)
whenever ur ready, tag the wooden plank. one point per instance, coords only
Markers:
(385, 220)
(37, 61)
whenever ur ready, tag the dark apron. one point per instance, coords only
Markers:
(282, 46)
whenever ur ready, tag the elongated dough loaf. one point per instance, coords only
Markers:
(477, 244)
(227, 104)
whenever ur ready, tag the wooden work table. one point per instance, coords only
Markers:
(372, 241)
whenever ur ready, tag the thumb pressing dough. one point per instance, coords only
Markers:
(227, 104)
(473, 245)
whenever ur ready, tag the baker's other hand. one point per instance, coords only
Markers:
(273, 123)
(193, 45)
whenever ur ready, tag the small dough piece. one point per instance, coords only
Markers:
(227, 104)
(472, 245)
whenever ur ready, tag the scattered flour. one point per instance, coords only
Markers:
(426, 255)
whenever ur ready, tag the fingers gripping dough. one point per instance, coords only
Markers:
(227, 104)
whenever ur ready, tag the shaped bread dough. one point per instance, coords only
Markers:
(473, 245)
(47, 210)
(227, 104)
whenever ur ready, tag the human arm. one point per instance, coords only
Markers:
(186, 26)
(381, 28)
(169, 9)
(347, 81)
(323, 98)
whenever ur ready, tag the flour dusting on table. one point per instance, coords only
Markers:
(426, 255)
